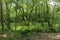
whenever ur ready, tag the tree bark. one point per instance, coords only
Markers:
(47, 16)
(8, 16)
(2, 18)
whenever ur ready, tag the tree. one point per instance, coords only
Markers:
(16, 10)
(8, 16)
(2, 17)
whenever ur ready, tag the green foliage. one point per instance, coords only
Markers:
(31, 16)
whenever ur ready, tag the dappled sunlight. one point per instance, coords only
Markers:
(3, 35)
(57, 25)
(17, 28)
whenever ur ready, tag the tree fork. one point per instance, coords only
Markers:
(48, 19)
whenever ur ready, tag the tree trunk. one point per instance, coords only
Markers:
(16, 14)
(8, 16)
(2, 18)
(47, 16)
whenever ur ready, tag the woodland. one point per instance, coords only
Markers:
(28, 17)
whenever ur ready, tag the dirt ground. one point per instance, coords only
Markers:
(38, 36)
(46, 36)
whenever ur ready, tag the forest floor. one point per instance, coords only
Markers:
(46, 36)
(38, 36)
